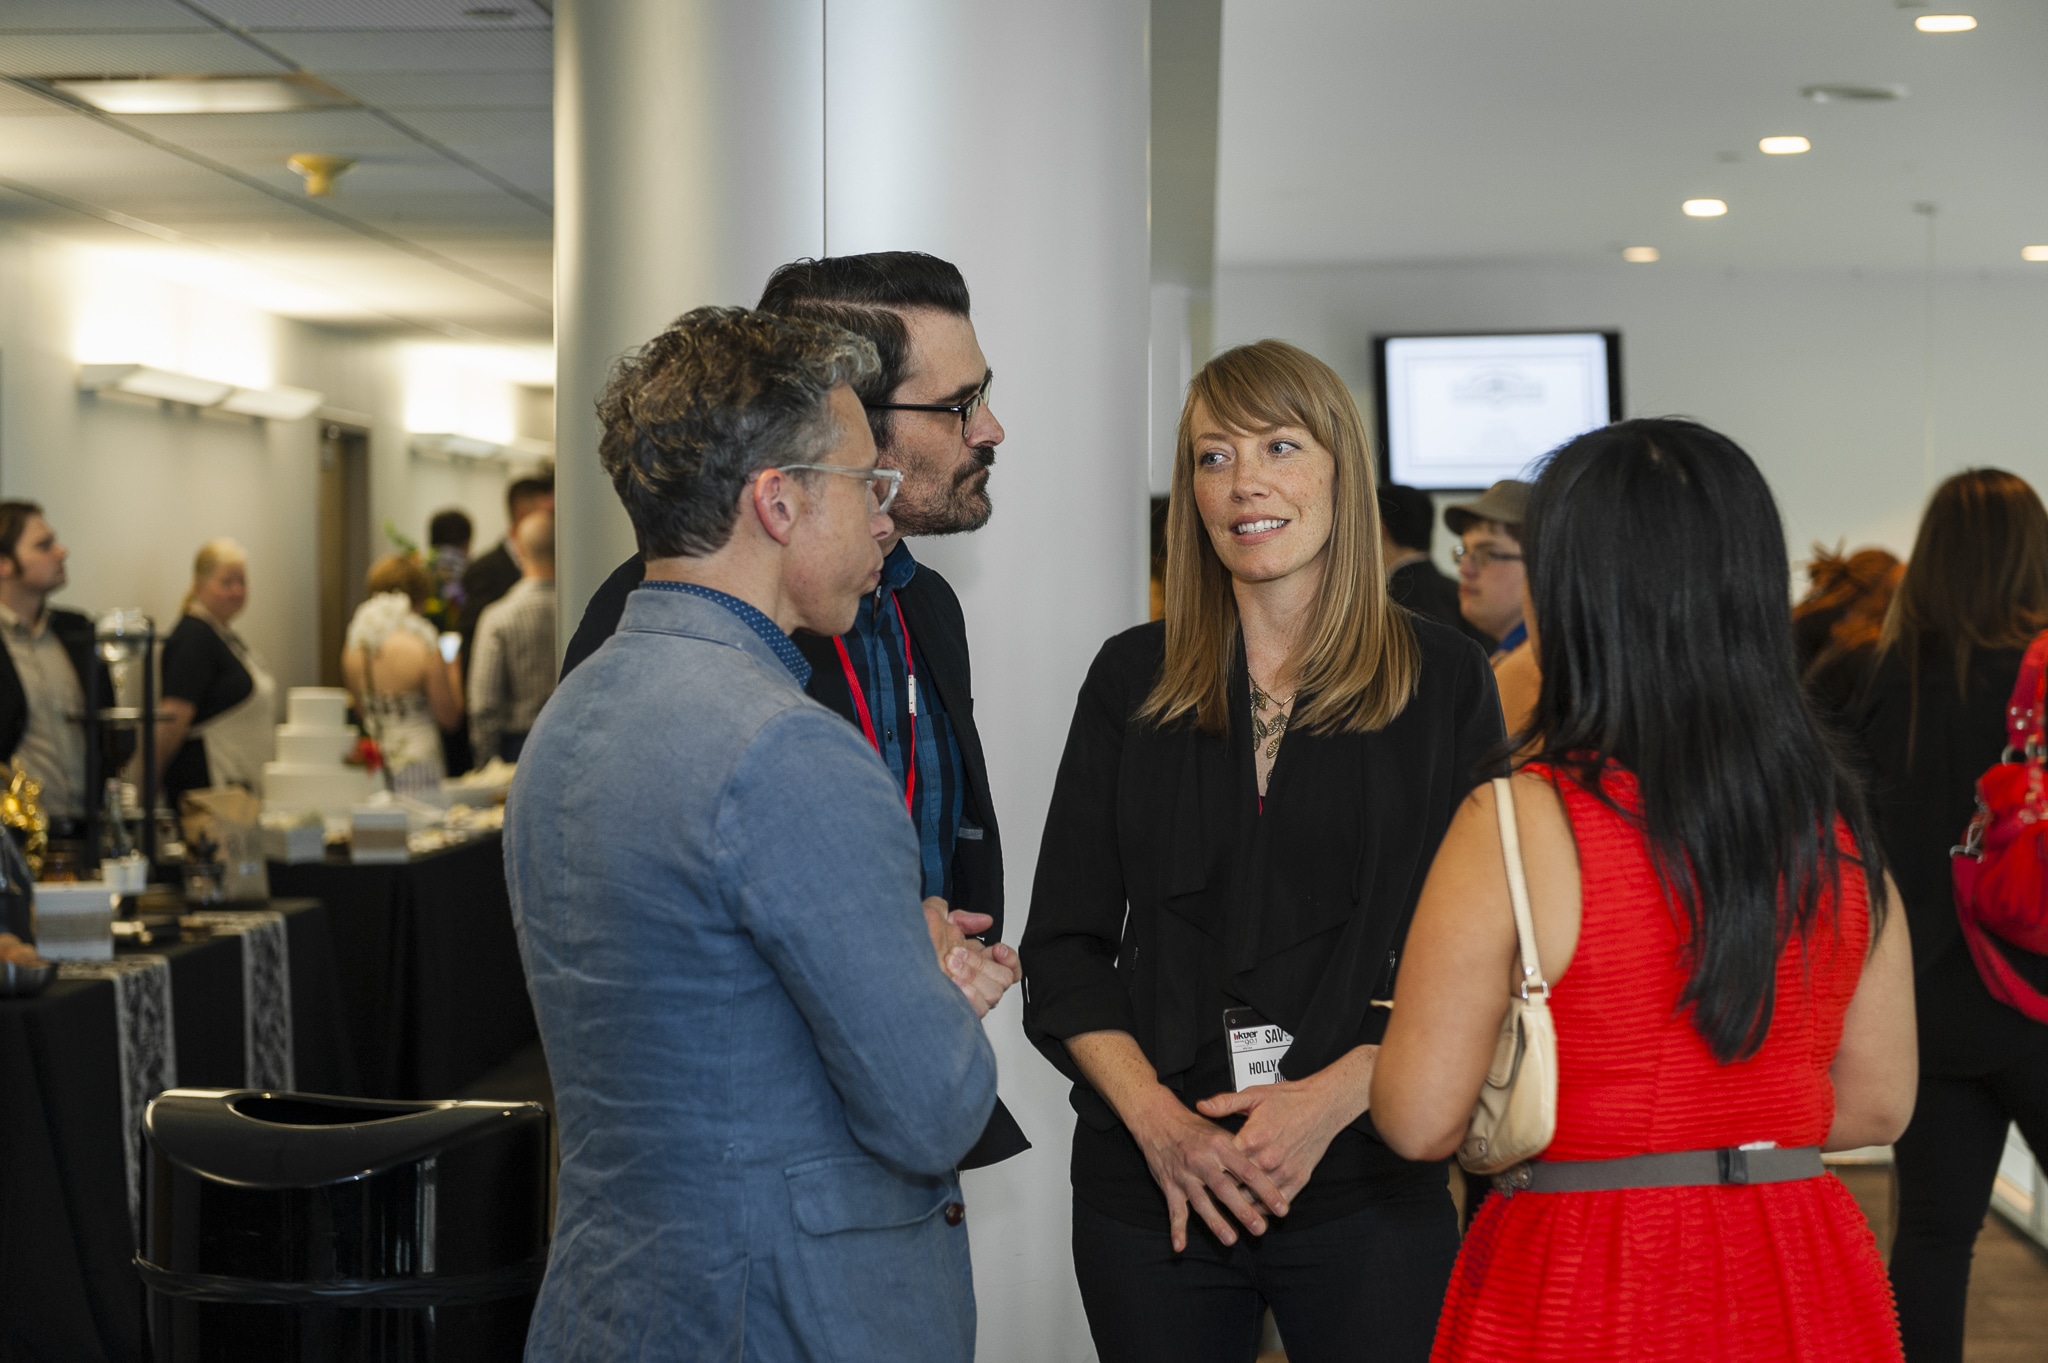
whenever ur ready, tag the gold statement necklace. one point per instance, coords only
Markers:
(1269, 719)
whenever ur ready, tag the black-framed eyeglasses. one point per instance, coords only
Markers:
(883, 484)
(966, 409)
(1482, 556)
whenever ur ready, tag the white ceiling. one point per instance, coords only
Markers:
(1507, 130)
(446, 221)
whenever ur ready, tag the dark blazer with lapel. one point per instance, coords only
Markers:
(1158, 872)
(75, 632)
(484, 581)
(933, 613)
(1423, 588)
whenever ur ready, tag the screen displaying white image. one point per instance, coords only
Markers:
(1467, 411)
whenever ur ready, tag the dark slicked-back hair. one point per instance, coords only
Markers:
(14, 518)
(723, 393)
(867, 295)
(449, 527)
(1658, 569)
(1409, 516)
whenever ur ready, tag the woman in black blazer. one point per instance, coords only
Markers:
(1932, 719)
(1250, 797)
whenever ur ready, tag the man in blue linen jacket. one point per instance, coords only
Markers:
(764, 1081)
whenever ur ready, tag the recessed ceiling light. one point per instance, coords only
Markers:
(1704, 208)
(202, 94)
(1852, 94)
(1641, 255)
(2038, 254)
(1783, 146)
(1945, 23)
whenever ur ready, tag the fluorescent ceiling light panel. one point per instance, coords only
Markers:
(274, 404)
(1704, 208)
(146, 382)
(2037, 254)
(1945, 23)
(203, 94)
(449, 444)
(1641, 255)
(1783, 146)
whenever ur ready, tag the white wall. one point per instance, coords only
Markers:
(1821, 376)
(133, 488)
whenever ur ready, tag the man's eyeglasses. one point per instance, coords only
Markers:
(966, 409)
(883, 484)
(1482, 556)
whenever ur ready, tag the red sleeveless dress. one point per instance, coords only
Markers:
(1756, 1272)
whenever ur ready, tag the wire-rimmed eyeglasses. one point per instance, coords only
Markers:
(966, 410)
(1483, 556)
(883, 484)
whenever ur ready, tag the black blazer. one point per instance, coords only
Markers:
(933, 613)
(1158, 871)
(484, 581)
(1923, 789)
(75, 632)
(1423, 588)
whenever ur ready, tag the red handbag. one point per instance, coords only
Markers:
(2001, 870)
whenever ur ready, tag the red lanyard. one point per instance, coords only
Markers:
(867, 721)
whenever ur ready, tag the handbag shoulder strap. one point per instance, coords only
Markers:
(2023, 714)
(1518, 886)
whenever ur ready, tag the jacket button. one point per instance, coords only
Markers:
(955, 1213)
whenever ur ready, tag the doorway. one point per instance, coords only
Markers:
(344, 537)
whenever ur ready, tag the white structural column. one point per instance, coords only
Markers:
(1010, 139)
(688, 164)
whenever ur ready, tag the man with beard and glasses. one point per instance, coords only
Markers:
(901, 675)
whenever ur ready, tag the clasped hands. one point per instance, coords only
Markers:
(1258, 1171)
(981, 972)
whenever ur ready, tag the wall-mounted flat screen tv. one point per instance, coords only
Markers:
(1464, 411)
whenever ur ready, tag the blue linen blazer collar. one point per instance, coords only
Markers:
(696, 617)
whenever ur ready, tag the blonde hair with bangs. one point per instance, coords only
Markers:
(1357, 662)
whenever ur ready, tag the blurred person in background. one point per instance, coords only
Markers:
(406, 692)
(492, 574)
(1715, 1030)
(217, 719)
(1836, 627)
(1407, 528)
(1493, 591)
(448, 539)
(1973, 597)
(512, 673)
(1250, 796)
(48, 710)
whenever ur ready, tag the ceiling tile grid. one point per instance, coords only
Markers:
(445, 209)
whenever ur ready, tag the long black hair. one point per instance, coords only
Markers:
(1660, 578)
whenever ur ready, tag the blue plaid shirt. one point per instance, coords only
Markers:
(875, 647)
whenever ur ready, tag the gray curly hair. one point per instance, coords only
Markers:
(690, 417)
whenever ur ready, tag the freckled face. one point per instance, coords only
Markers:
(1265, 498)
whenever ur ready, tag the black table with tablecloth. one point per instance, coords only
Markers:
(428, 964)
(68, 1289)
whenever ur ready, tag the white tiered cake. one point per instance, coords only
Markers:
(312, 772)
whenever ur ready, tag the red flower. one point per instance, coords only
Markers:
(367, 754)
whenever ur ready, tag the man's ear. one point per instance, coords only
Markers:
(775, 500)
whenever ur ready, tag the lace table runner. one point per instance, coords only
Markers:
(147, 1033)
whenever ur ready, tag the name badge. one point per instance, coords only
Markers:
(1256, 1047)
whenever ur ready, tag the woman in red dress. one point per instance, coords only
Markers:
(1731, 992)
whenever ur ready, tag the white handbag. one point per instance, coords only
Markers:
(1516, 1114)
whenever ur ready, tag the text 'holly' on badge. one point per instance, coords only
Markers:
(1256, 1047)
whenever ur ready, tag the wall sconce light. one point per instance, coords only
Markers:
(147, 381)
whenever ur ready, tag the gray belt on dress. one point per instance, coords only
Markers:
(1675, 1169)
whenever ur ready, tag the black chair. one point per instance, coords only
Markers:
(295, 1228)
